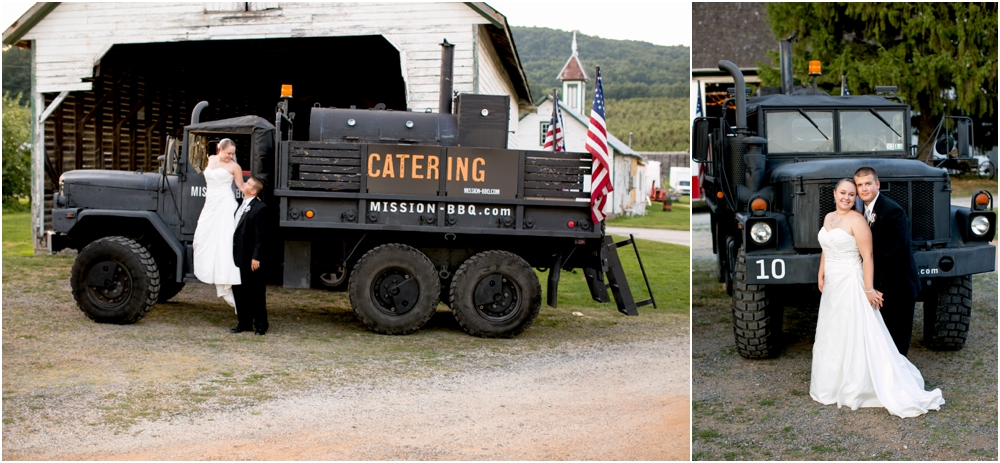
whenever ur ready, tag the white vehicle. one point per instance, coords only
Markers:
(680, 180)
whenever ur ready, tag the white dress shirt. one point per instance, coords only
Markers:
(243, 210)
(868, 208)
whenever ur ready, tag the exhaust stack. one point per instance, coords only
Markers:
(785, 49)
(447, 73)
(741, 96)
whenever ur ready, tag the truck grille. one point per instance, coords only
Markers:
(916, 198)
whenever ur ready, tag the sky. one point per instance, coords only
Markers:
(661, 23)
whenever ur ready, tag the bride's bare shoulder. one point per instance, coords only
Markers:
(855, 216)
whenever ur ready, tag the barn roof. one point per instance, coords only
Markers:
(737, 32)
(498, 30)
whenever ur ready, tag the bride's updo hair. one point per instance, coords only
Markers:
(225, 143)
(848, 180)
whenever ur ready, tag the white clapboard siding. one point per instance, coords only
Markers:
(494, 80)
(72, 38)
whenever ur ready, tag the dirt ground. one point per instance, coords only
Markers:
(592, 405)
(178, 386)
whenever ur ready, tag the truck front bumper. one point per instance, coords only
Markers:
(789, 269)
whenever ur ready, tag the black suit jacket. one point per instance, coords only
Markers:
(895, 270)
(251, 234)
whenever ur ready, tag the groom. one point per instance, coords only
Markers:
(248, 243)
(895, 271)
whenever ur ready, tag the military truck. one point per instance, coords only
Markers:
(768, 167)
(400, 209)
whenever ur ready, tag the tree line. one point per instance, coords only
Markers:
(629, 68)
(657, 124)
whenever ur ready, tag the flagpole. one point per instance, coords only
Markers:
(555, 118)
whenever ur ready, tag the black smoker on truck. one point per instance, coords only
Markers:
(404, 209)
(768, 171)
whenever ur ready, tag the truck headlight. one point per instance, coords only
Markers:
(980, 225)
(760, 232)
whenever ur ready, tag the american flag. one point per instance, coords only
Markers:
(697, 108)
(554, 139)
(597, 145)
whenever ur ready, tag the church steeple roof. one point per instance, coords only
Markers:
(573, 69)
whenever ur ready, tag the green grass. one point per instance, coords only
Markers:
(17, 234)
(965, 187)
(679, 218)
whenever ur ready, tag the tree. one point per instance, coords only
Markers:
(942, 56)
(16, 152)
(17, 72)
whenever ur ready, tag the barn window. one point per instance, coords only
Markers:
(239, 7)
(544, 129)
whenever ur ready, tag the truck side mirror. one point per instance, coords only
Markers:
(171, 161)
(964, 126)
(699, 140)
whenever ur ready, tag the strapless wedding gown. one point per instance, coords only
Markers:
(213, 237)
(855, 362)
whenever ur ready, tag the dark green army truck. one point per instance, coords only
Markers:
(768, 168)
(401, 209)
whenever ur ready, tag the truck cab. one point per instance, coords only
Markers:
(768, 169)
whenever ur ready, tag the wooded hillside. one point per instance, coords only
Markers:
(645, 85)
(630, 69)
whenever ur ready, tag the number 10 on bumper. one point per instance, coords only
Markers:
(777, 269)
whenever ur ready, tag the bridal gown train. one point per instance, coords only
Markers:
(855, 362)
(213, 237)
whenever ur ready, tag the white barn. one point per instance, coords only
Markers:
(112, 80)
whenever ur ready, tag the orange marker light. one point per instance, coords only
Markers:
(719, 195)
(815, 69)
(310, 214)
(982, 199)
(758, 205)
(286, 91)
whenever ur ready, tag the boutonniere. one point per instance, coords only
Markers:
(871, 221)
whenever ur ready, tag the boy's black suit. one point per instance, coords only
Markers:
(249, 240)
(895, 270)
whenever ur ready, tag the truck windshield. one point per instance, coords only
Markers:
(871, 130)
(799, 131)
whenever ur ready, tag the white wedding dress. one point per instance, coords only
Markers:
(213, 237)
(855, 362)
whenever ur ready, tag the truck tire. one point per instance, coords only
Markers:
(115, 280)
(334, 278)
(495, 294)
(394, 289)
(947, 313)
(756, 323)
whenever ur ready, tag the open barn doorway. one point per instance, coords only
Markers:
(143, 93)
(245, 76)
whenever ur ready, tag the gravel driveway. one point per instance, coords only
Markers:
(177, 385)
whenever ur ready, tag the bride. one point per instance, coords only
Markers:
(213, 237)
(855, 362)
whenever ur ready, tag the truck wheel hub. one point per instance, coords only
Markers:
(496, 297)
